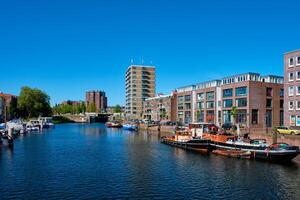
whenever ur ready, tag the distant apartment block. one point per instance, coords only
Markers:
(160, 108)
(8, 106)
(98, 99)
(258, 99)
(72, 103)
(140, 85)
(292, 88)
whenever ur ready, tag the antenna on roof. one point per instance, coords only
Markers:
(131, 61)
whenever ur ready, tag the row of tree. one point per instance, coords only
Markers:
(74, 109)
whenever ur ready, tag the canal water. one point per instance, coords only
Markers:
(89, 161)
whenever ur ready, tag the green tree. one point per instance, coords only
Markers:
(91, 107)
(33, 102)
(117, 109)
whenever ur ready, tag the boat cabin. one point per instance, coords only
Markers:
(198, 129)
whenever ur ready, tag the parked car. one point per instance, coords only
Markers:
(286, 130)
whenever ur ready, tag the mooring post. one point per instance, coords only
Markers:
(10, 138)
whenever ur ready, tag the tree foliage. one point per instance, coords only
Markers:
(68, 108)
(33, 102)
(117, 109)
(91, 107)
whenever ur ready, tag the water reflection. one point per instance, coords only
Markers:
(90, 161)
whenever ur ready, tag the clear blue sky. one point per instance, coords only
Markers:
(66, 47)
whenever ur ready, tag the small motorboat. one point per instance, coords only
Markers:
(114, 124)
(129, 127)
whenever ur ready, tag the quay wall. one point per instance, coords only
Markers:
(289, 139)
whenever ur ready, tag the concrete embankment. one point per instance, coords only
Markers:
(162, 129)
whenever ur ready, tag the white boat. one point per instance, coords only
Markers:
(129, 127)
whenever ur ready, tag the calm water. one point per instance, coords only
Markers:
(91, 162)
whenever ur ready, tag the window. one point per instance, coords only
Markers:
(298, 62)
(291, 91)
(291, 105)
(298, 90)
(226, 116)
(227, 93)
(297, 105)
(210, 116)
(281, 103)
(210, 95)
(292, 120)
(281, 93)
(269, 118)
(298, 121)
(241, 102)
(187, 98)
(210, 104)
(201, 105)
(269, 103)
(269, 92)
(291, 76)
(241, 91)
(281, 117)
(298, 75)
(227, 103)
(200, 96)
(291, 62)
(187, 106)
(254, 114)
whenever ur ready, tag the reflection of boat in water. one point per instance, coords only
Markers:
(114, 124)
(190, 139)
(230, 145)
(130, 127)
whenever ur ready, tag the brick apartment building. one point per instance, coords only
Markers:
(98, 98)
(258, 99)
(8, 106)
(140, 85)
(160, 108)
(292, 88)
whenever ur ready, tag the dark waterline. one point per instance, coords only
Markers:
(75, 161)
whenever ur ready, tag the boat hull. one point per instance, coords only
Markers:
(195, 145)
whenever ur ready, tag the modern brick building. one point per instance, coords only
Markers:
(98, 98)
(258, 100)
(140, 85)
(292, 88)
(160, 108)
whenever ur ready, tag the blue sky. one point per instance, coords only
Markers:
(66, 47)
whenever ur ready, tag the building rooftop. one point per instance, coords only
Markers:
(291, 51)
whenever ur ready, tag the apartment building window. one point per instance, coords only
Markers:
(180, 116)
(269, 118)
(201, 105)
(241, 117)
(291, 91)
(242, 102)
(187, 106)
(297, 105)
(281, 117)
(187, 116)
(254, 115)
(269, 103)
(227, 103)
(281, 93)
(298, 121)
(180, 102)
(281, 103)
(291, 105)
(241, 91)
(291, 76)
(210, 104)
(298, 90)
(210, 95)
(227, 93)
(292, 120)
(226, 116)
(210, 116)
(291, 62)
(200, 96)
(187, 98)
(200, 116)
(298, 75)
(298, 60)
(219, 104)
(269, 92)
